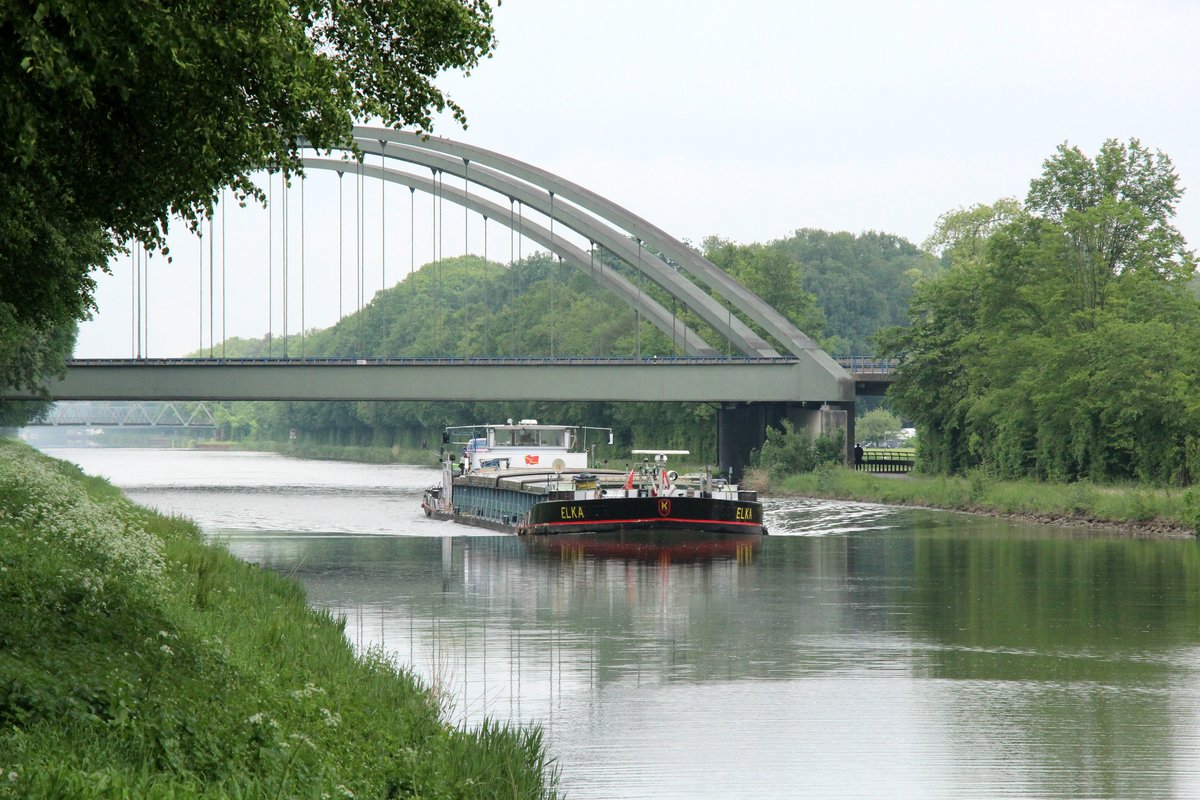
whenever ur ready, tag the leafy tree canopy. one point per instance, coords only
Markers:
(116, 117)
(838, 287)
(1062, 341)
(877, 425)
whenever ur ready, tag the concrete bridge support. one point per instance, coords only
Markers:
(742, 428)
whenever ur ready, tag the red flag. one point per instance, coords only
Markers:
(531, 460)
(629, 481)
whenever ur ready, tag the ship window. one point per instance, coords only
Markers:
(552, 438)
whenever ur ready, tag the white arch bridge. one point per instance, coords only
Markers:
(771, 370)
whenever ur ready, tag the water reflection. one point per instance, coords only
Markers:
(859, 651)
(948, 661)
(664, 547)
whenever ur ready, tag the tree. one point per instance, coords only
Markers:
(876, 426)
(772, 274)
(1111, 214)
(1062, 340)
(117, 117)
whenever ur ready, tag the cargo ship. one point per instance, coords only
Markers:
(533, 479)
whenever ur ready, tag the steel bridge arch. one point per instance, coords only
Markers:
(622, 287)
(692, 296)
(539, 189)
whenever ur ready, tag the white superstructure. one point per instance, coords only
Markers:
(524, 445)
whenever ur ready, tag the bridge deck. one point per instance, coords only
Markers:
(682, 379)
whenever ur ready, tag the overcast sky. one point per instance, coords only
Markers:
(746, 120)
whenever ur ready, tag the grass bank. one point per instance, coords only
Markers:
(1136, 509)
(136, 660)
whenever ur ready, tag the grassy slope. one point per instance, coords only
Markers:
(138, 661)
(1140, 509)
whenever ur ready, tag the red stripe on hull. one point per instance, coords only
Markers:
(650, 521)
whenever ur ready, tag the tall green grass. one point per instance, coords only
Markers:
(1164, 509)
(138, 661)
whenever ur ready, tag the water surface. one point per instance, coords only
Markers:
(859, 651)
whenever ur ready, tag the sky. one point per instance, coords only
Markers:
(746, 120)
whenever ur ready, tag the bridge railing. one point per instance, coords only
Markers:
(868, 364)
(854, 364)
(431, 361)
(878, 459)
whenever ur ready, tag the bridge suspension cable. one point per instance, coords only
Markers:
(466, 208)
(359, 257)
(612, 280)
(270, 264)
(303, 231)
(596, 221)
(382, 220)
(145, 302)
(211, 250)
(418, 148)
(133, 301)
(712, 312)
(341, 249)
(512, 233)
(286, 238)
(554, 280)
(224, 229)
(200, 286)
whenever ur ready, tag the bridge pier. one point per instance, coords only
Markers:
(742, 428)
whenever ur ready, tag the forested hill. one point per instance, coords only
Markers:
(837, 287)
(862, 283)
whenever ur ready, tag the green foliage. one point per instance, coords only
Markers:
(1062, 341)
(138, 661)
(1191, 509)
(876, 426)
(771, 273)
(469, 307)
(788, 451)
(97, 146)
(838, 288)
(861, 282)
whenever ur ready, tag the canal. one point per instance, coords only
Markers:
(858, 651)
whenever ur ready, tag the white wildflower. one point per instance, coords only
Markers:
(302, 739)
(309, 690)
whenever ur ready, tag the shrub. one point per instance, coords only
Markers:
(787, 451)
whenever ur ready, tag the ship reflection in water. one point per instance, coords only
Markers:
(662, 546)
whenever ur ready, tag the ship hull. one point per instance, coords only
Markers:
(604, 515)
